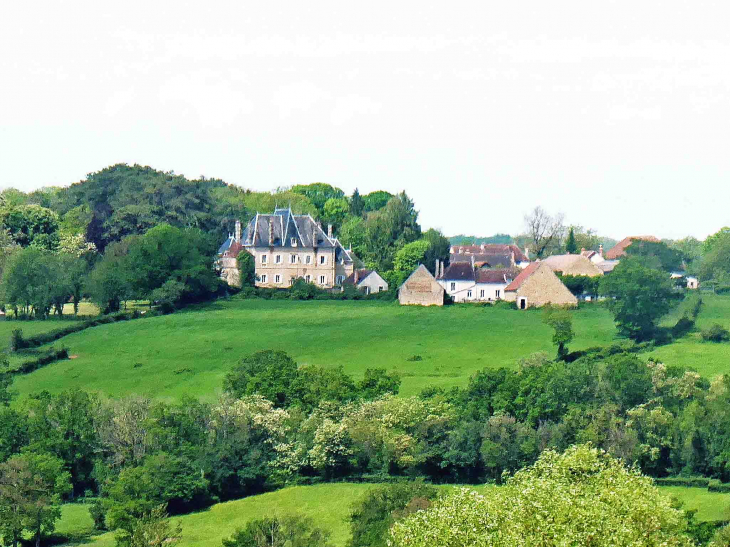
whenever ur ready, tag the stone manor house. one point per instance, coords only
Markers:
(285, 247)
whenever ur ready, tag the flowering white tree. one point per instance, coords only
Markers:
(582, 497)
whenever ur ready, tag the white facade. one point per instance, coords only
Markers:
(373, 283)
(470, 291)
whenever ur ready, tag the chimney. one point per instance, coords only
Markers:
(271, 233)
(527, 252)
(314, 237)
(483, 246)
(600, 249)
(442, 268)
(357, 276)
(329, 231)
(238, 231)
(436, 271)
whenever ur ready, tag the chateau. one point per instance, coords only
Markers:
(286, 247)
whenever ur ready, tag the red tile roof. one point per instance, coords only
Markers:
(524, 274)
(619, 250)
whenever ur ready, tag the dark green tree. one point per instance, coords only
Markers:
(110, 283)
(31, 224)
(656, 254)
(571, 247)
(439, 249)
(246, 268)
(374, 201)
(638, 297)
(357, 204)
(268, 373)
(374, 513)
(561, 321)
(318, 193)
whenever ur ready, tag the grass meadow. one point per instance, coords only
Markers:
(329, 506)
(189, 352)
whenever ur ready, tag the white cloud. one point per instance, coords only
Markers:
(351, 106)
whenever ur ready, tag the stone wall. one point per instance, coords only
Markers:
(541, 288)
(421, 289)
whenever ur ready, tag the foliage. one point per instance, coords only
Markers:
(357, 204)
(410, 256)
(581, 284)
(439, 249)
(656, 254)
(153, 529)
(246, 268)
(571, 247)
(374, 513)
(581, 497)
(267, 373)
(721, 538)
(31, 487)
(638, 297)
(374, 201)
(286, 531)
(544, 231)
(126, 200)
(318, 193)
(110, 282)
(335, 211)
(389, 229)
(561, 321)
(715, 263)
(31, 225)
(716, 333)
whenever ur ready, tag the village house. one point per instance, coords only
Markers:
(368, 281)
(619, 250)
(286, 247)
(421, 289)
(465, 282)
(490, 255)
(573, 265)
(536, 286)
(594, 256)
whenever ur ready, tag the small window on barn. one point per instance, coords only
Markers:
(453, 286)
(468, 294)
(481, 293)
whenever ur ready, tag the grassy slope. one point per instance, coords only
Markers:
(328, 504)
(189, 352)
(709, 359)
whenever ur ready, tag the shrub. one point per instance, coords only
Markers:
(716, 333)
(690, 482)
(50, 356)
(294, 530)
(716, 486)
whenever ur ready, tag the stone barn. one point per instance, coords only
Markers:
(421, 289)
(536, 286)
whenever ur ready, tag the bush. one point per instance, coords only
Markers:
(682, 327)
(690, 482)
(715, 485)
(716, 333)
(294, 530)
(48, 357)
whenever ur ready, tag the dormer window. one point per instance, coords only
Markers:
(294, 242)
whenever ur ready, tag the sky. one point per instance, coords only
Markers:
(614, 113)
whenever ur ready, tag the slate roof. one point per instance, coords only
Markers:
(482, 259)
(459, 271)
(619, 250)
(496, 276)
(524, 275)
(607, 266)
(290, 231)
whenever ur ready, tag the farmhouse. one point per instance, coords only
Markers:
(368, 281)
(536, 286)
(619, 249)
(286, 247)
(465, 282)
(421, 289)
(573, 265)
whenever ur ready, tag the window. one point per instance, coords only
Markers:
(263, 278)
(278, 259)
(308, 260)
(308, 279)
(453, 287)
(381, 288)
(292, 259)
(340, 279)
(294, 242)
(367, 290)
(468, 294)
(277, 278)
(496, 293)
(481, 293)
(323, 259)
(264, 258)
(322, 279)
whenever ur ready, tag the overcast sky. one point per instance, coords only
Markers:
(616, 113)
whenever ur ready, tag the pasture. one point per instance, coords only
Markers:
(329, 506)
(189, 352)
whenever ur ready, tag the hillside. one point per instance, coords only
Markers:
(189, 352)
(328, 504)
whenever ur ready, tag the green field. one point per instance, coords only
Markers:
(709, 359)
(189, 352)
(328, 504)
